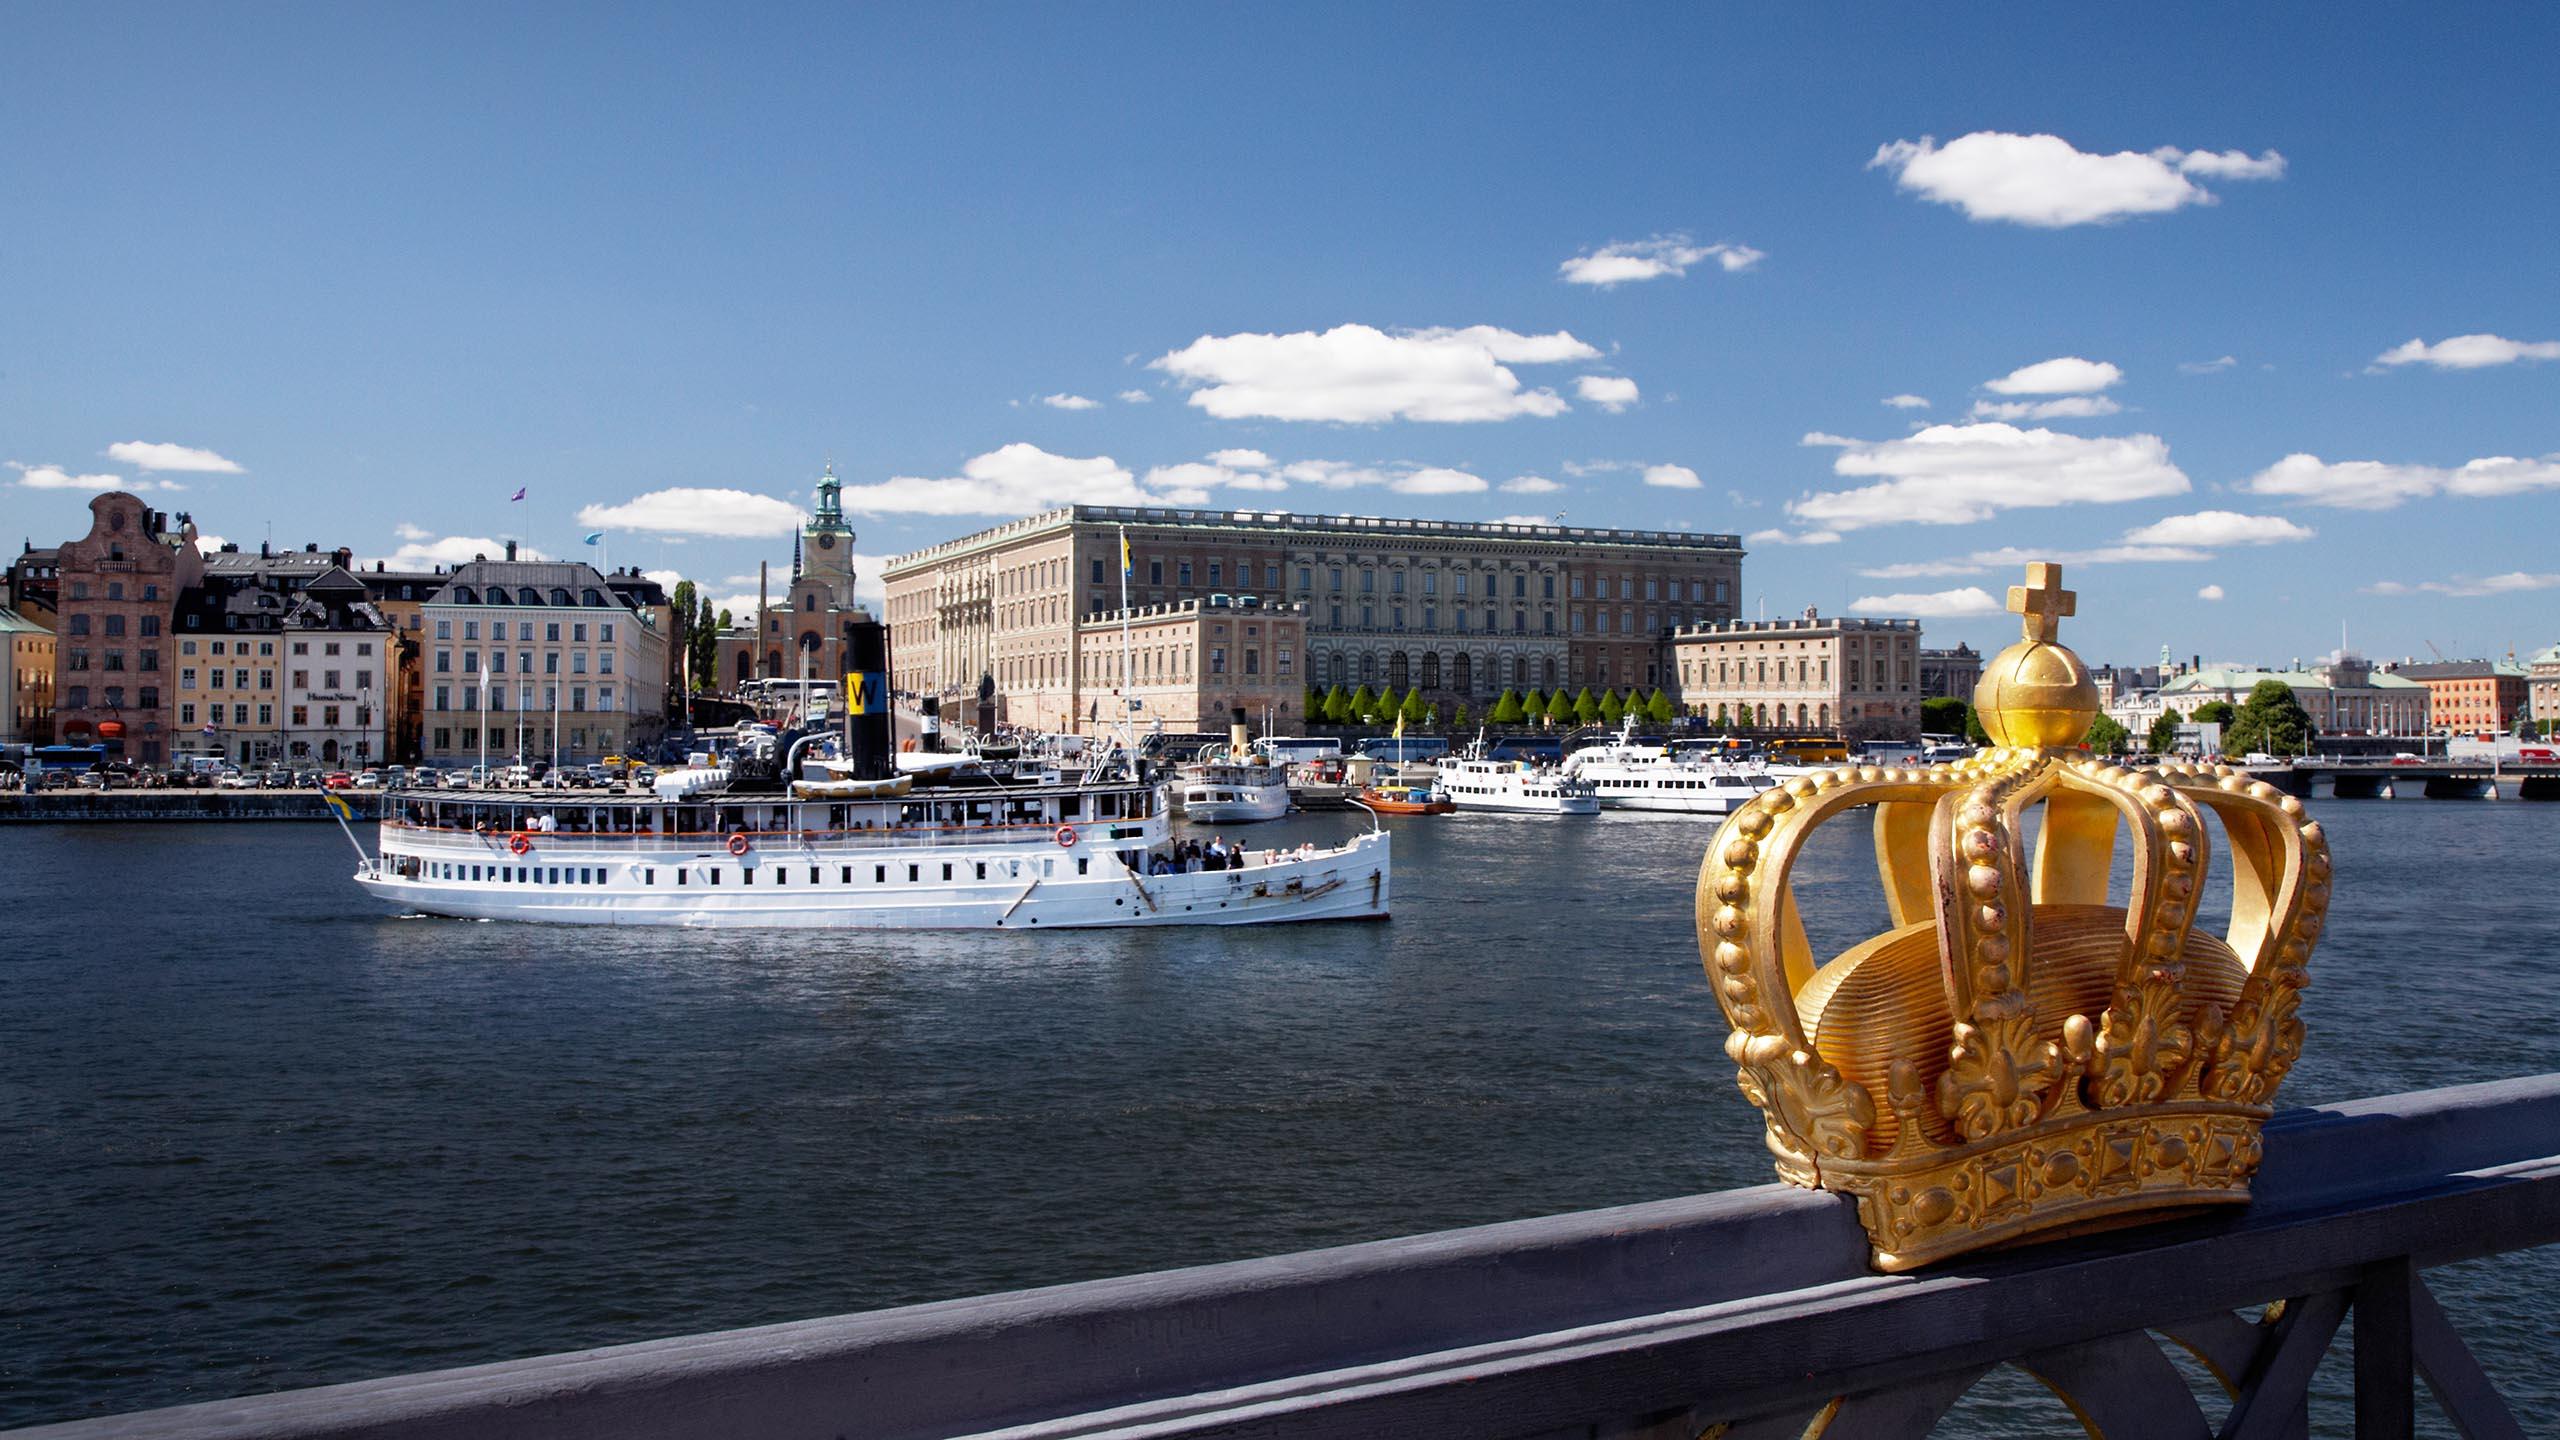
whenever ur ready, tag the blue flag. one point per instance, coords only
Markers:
(515, 497)
(595, 539)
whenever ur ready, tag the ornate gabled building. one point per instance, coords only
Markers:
(804, 633)
(119, 589)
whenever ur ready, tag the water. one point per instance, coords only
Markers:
(255, 1134)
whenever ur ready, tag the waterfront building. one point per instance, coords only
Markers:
(34, 580)
(2470, 696)
(228, 670)
(26, 680)
(2344, 694)
(528, 659)
(1459, 610)
(1854, 677)
(2542, 687)
(118, 591)
(1950, 674)
(808, 632)
(1190, 665)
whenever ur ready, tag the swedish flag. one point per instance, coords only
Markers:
(1126, 565)
(338, 806)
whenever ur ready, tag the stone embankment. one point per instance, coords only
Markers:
(47, 807)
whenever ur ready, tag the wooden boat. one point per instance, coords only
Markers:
(1405, 800)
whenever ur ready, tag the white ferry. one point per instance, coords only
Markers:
(1628, 776)
(952, 847)
(1475, 782)
(1232, 791)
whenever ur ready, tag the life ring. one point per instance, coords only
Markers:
(1067, 837)
(737, 844)
(519, 843)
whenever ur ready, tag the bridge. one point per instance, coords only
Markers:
(2435, 777)
(1743, 1315)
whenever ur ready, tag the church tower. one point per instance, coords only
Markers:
(826, 543)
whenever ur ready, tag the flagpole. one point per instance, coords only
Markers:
(1128, 701)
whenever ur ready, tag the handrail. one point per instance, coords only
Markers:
(1746, 1312)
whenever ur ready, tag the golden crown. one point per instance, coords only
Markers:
(2016, 1055)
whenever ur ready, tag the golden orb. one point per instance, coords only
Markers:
(2035, 694)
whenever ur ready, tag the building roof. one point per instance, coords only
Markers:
(528, 582)
(13, 623)
(1285, 521)
(2242, 678)
(2461, 670)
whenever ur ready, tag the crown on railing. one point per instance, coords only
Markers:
(2017, 1054)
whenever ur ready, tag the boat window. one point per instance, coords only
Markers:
(911, 874)
(746, 875)
(649, 877)
(1082, 863)
(982, 869)
(879, 875)
(680, 874)
(1071, 808)
(946, 871)
(781, 875)
(813, 874)
(715, 874)
(847, 880)
(475, 872)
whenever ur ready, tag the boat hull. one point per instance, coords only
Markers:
(1351, 882)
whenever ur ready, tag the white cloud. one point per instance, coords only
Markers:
(154, 455)
(407, 531)
(1015, 479)
(424, 553)
(1580, 469)
(1654, 258)
(1907, 402)
(1930, 605)
(2062, 375)
(1136, 397)
(1069, 402)
(1672, 477)
(1358, 374)
(739, 606)
(2215, 528)
(2067, 407)
(2207, 367)
(1924, 569)
(1612, 393)
(1955, 474)
(2469, 352)
(2042, 180)
(1546, 520)
(54, 477)
(1792, 537)
(1436, 481)
(1530, 485)
(2376, 485)
(1252, 470)
(2469, 587)
(2210, 592)
(687, 510)
(667, 580)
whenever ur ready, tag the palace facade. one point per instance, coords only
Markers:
(1459, 610)
(1814, 674)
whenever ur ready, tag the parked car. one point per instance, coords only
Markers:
(369, 780)
(234, 779)
(274, 778)
(426, 777)
(644, 777)
(93, 780)
(338, 780)
(519, 776)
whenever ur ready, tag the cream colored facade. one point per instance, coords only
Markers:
(1188, 665)
(26, 685)
(532, 658)
(1460, 611)
(1806, 674)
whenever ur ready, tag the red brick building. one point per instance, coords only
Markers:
(119, 588)
(2471, 697)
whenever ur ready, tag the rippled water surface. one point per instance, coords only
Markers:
(256, 1133)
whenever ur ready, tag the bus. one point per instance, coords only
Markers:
(1807, 752)
(1294, 750)
(67, 759)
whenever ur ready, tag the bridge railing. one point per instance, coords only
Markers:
(1748, 1313)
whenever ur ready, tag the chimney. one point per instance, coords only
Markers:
(511, 549)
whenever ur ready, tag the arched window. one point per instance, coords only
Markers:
(465, 595)
(1802, 718)
(1463, 674)
(743, 663)
(498, 596)
(591, 599)
(527, 595)
(1399, 672)
(1369, 667)
(809, 641)
(1431, 670)
(1341, 668)
(1551, 672)
(1825, 717)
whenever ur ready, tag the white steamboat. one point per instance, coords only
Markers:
(960, 847)
(1629, 776)
(1235, 791)
(1477, 782)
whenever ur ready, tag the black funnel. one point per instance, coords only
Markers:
(866, 699)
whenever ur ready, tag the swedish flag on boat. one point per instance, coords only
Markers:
(338, 806)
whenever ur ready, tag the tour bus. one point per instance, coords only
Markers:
(1411, 747)
(1808, 751)
(1294, 750)
(71, 759)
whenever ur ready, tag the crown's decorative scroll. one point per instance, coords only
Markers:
(2017, 1054)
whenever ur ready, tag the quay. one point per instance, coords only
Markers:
(1746, 1314)
(2436, 778)
(59, 807)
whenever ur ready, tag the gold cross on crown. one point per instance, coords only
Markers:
(2043, 602)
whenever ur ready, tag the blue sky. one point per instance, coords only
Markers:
(391, 265)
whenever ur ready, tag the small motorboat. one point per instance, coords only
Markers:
(1405, 800)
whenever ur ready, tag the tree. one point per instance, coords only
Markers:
(1944, 715)
(2214, 712)
(2107, 736)
(2164, 731)
(1364, 703)
(1337, 706)
(2270, 722)
(1458, 716)
(1415, 709)
(1612, 710)
(1314, 703)
(1561, 710)
(1533, 704)
(1507, 711)
(1659, 709)
(1383, 711)
(1973, 730)
(1586, 706)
